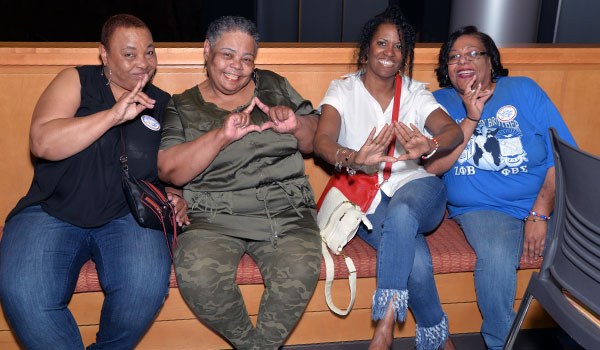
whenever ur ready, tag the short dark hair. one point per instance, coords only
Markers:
(406, 33)
(490, 48)
(229, 24)
(117, 21)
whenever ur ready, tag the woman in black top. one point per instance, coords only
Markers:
(75, 209)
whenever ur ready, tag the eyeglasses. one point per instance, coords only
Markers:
(469, 56)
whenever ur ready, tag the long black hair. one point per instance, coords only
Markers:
(406, 33)
(490, 47)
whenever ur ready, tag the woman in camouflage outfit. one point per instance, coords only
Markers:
(233, 142)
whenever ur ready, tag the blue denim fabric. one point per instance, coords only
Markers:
(497, 239)
(40, 260)
(404, 267)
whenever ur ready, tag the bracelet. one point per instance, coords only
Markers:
(437, 145)
(543, 217)
(347, 158)
(349, 169)
(338, 164)
(534, 219)
(473, 119)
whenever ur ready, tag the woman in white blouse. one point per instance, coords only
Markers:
(354, 132)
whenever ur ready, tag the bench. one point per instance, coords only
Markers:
(453, 261)
(570, 77)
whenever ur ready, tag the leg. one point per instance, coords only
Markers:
(424, 302)
(206, 264)
(290, 272)
(134, 267)
(415, 208)
(40, 259)
(497, 239)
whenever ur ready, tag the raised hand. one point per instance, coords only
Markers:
(474, 99)
(373, 151)
(132, 103)
(237, 125)
(282, 119)
(414, 142)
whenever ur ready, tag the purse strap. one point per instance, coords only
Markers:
(387, 171)
(123, 157)
(329, 274)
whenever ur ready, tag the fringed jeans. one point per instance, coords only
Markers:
(404, 268)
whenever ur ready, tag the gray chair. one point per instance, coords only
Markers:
(572, 258)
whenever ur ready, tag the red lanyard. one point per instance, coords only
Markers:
(387, 171)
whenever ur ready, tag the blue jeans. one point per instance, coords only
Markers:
(404, 268)
(497, 239)
(40, 260)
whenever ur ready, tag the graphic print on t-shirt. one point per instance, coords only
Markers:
(495, 145)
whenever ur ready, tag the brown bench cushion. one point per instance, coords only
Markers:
(450, 252)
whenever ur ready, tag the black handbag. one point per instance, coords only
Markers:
(148, 202)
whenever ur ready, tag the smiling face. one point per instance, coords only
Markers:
(385, 52)
(230, 61)
(130, 55)
(463, 71)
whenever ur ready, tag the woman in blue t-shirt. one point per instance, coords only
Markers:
(500, 179)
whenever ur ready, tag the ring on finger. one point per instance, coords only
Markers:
(472, 92)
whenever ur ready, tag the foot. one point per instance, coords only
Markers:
(383, 336)
(449, 345)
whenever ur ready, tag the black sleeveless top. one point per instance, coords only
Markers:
(85, 189)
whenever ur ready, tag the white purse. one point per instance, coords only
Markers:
(338, 218)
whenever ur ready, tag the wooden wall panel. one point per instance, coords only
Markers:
(570, 74)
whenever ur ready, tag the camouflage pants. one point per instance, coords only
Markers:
(206, 265)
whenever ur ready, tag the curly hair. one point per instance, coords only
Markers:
(490, 47)
(118, 21)
(392, 15)
(229, 24)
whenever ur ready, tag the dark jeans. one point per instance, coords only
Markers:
(40, 260)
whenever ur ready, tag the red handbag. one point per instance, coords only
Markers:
(362, 188)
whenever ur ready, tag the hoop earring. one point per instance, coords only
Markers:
(109, 75)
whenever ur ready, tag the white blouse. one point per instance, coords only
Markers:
(360, 112)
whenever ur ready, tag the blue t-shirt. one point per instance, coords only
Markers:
(505, 162)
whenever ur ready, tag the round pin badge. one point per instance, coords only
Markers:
(506, 113)
(150, 123)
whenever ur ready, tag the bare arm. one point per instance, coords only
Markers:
(181, 163)
(328, 130)
(445, 130)
(535, 227)
(326, 146)
(305, 133)
(474, 102)
(440, 163)
(56, 134)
